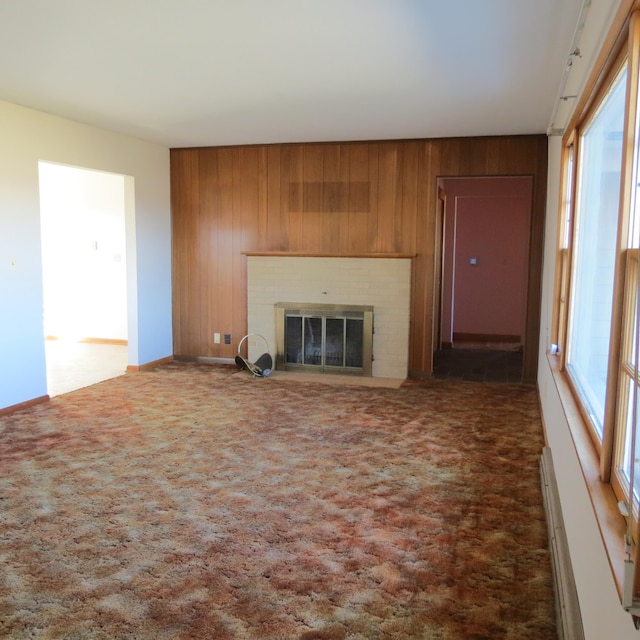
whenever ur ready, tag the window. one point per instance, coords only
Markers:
(629, 379)
(626, 467)
(597, 297)
(600, 168)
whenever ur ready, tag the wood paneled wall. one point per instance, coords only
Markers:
(327, 198)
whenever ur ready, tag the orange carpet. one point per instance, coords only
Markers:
(194, 501)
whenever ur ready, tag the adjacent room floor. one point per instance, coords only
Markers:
(72, 365)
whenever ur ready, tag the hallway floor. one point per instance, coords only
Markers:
(478, 365)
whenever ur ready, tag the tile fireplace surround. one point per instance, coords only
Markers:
(383, 282)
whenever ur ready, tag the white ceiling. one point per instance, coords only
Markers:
(216, 72)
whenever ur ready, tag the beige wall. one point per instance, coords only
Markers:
(28, 137)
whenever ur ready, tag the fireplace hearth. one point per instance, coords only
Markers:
(324, 338)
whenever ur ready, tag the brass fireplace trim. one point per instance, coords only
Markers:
(327, 311)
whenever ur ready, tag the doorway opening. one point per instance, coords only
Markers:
(82, 217)
(484, 291)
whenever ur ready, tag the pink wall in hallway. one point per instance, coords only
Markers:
(487, 219)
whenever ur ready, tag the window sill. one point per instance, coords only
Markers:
(611, 524)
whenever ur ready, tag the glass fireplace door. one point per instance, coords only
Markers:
(327, 340)
(304, 340)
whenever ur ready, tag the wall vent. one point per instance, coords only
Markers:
(330, 197)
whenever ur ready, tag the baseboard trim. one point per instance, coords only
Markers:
(215, 360)
(24, 405)
(148, 366)
(204, 359)
(115, 341)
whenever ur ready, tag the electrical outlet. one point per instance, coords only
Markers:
(227, 338)
(216, 338)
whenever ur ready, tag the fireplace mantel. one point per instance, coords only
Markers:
(316, 254)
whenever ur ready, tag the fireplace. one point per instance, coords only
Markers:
(381, 283)
(324, 338)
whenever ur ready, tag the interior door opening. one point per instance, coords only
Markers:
(82, 215)
(485, 255)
